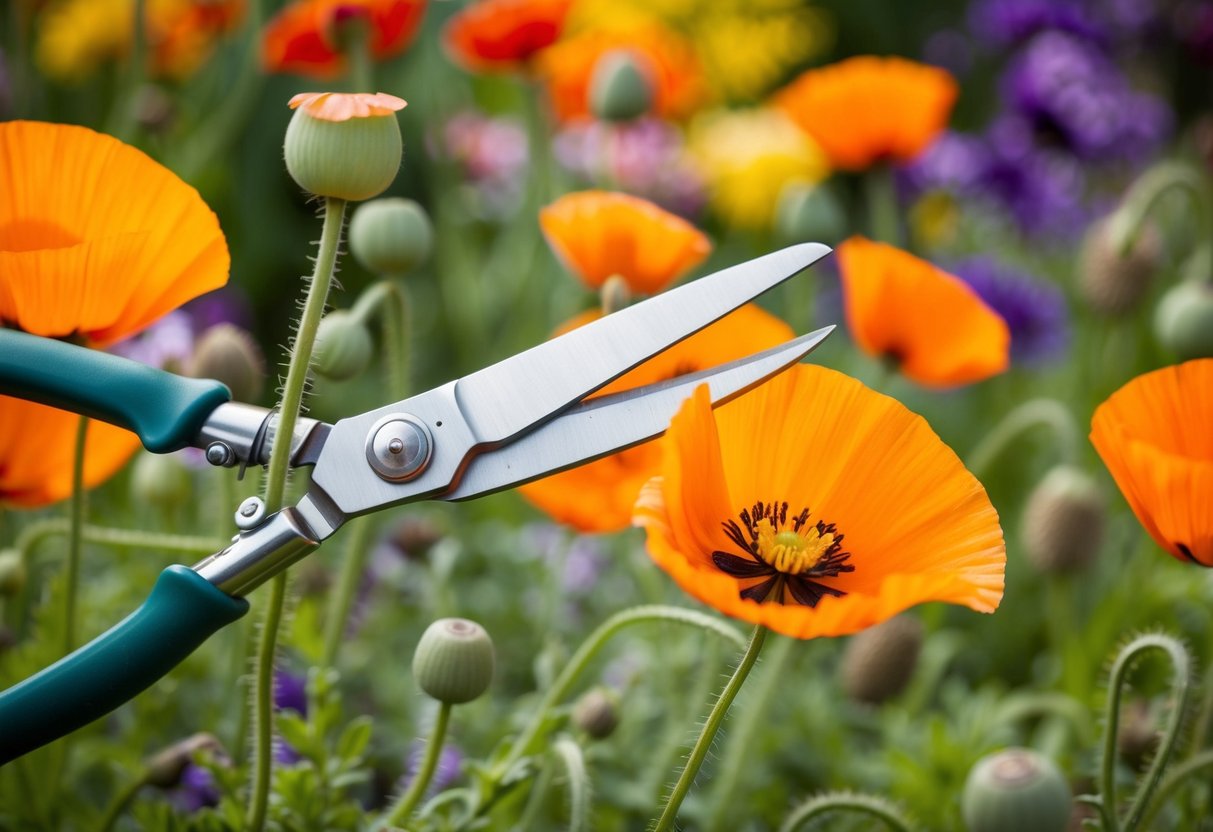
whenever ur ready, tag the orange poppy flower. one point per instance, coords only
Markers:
(1154, 436)
(503, 35)
(667, 58)
(96, 239)
(598, 496)
(866, 109)
(343, 106)
(936, 327)
(597, 234)
(817, 507)
(303, 39)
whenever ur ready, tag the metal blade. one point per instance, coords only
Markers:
(511, 396)
(611, 423)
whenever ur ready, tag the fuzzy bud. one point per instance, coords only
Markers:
(343, 346)
(454, 660)
(597, 712)
(13, 572)
(227, 353)
(808, 212)
(165, 768)
(879, 662)
(391, 236)
(1111, 283)
(1183, 321)
(1013, 790)
(347, 147)
(161, 480)
(1063, 521)
(620, 89)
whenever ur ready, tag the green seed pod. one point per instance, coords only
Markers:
(1113, 284)
(1063, 521)
(353, 158)
(13, 572)
(229, 354)
(391, 236)
(879, 662)
(1014, 790)
(597, 712)
(808, 212)
(161, 480)
(165, 768)
(454, 660)
(343, 346)
(620, 89)
(1183, 321)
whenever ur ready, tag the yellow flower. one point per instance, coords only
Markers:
(748, 157)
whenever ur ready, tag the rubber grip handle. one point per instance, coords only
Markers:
(166, 411)
(183, 611)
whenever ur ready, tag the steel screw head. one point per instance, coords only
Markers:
(250, 514)
(220, 454)
(399, 447)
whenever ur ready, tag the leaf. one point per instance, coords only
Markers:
(354, 739)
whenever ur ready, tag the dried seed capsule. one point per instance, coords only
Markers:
(1113, 284)
(391, 236)
(1063, 521)
(620, 88)
(227, 353)
(597, 712)
(879, 662)
(1183, 320)
(454, 660)
(1013, 790)
(343, 346)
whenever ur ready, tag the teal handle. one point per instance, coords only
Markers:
(183, 611)
(165, 410)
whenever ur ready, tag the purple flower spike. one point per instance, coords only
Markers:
(446, 773)
(1009, 22)
(1035, 311)
(197, 789)
(290, 691)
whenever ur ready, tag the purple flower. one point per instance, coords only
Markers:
(225, 305)
(169, 342)
(1008, 22)
(290, 691)
(197, 789)
(1035, 311)
(446, 772)
(493, 154)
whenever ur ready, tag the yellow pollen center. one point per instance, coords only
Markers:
(791, 552)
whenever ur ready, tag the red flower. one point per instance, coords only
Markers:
(303, 37)
(503, 35)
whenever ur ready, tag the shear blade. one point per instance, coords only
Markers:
(607, 424)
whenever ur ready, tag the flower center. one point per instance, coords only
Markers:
(787, 561)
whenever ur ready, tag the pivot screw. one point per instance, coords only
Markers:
(250, 514)
(220, 454)
(399, 447)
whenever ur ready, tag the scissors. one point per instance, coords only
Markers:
(517, 420)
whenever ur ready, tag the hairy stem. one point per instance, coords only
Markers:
(870, 805)
(1033, 413)
(402, 810)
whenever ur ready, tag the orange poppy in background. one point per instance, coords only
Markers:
(666, 57)
(867, 109)
(303, 37)
(599, 496)
(597, 234)
(817, 507)
(96, 242)
(503, 35)
(931, 323)
(1155, 437)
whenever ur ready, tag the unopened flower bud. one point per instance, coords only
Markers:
(620, 88)
(344, 146)
(414, 536)
(1063, 521)
(808, 212)
(614, 294)
(391, 236)
(879, 662)
(1183, 321)
(343, 346)
(228, 354)
(597, 712)
(13, 572)
(165, 768)
(1113, 283)
(454, 660)
(161, 480)
(154, 109)
(1015, 790)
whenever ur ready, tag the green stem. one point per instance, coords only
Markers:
(74, 538)
(1032, 413)
(880, 192)
(1129, 220)
(275, 490)
(1174, 779)
(356, 552)
(870, 805)
(362, 63)
(569, 753)
(529, 819)
(389, 297)
(668, 750)
(399, 814)
(120, 802)
(33, 535)
(670, 813)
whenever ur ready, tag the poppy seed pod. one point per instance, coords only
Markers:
(1183, 321)
(454, 660)
(620, 89)
(160, 480)
(1113, 284)
(13, 572)
(597, 712)
(344, 146)
(228, 354)
(1063, 521)
(808, 212)
(391, 236)
(879, 662)
(1014, 790)
(343, 346)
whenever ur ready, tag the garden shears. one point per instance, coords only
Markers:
(506, 424)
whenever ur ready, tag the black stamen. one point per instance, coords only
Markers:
(1187, 553)
(740, 567)
(759, 592)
